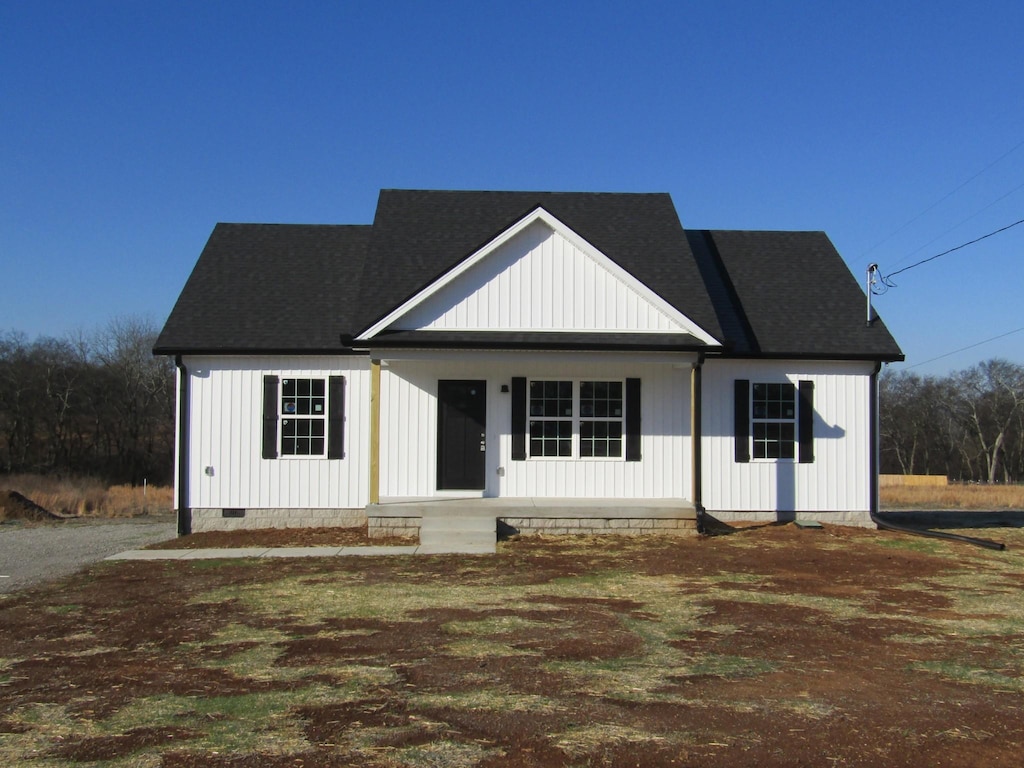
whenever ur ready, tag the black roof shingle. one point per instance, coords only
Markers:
(269, 288)
(311, 288)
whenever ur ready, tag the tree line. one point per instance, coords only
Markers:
(967, 425)
(96, 404)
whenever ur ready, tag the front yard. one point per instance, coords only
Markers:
(769, 646)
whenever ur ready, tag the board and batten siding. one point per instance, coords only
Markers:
(408, 462)
(838, 480)
(538, 280)
(226, 410)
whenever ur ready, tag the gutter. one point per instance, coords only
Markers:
(873, 501)
(184, 512)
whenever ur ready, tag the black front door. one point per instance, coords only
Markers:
(461, 434)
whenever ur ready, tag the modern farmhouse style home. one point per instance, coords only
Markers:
(563, 362)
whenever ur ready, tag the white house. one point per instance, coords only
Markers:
(575, 361)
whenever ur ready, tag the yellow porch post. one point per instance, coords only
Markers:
(374, 431)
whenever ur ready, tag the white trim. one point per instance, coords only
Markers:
(541, 215)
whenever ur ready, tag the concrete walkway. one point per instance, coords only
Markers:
(213, 554)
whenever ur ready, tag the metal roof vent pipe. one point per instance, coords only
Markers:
(872, 271)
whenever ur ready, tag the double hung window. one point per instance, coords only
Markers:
(551, 418)
(600, 418)
(774, 420)
(303, 417)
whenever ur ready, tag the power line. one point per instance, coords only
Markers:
(961, 223)
(964, 349)
(944, 198)
(886, 279)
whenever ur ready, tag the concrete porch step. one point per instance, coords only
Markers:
(446, 526)
(473, 534)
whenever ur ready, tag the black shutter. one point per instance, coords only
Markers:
(336, 417)
(632, 419)
(741, 426)
(270, 417)
(805, 424)
(518, 418)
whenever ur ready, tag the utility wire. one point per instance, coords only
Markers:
(944, 198)
(886, 279)
(964, 349)
(960, 223)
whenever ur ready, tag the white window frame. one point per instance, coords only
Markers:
(577, 419)
(779, 420)
(533, 417)
(299, 413)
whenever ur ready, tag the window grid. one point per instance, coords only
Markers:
(774, 421)
(551, 411)
(600, 419)
(303, 412)
(557, 415)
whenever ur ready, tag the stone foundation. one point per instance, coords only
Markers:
(244, 519)
(386, 527)
(635, 526)
(857, 518)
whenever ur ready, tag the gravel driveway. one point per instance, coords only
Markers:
(30, 554)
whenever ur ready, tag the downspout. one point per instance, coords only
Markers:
(696, 405)
(184, 512)
(875, 441)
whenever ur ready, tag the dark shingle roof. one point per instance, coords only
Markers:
(269, 287)
(310, 288)
(420, 235)
(793, 296)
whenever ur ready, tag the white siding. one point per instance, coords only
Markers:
(409, 429)
(540, 281)
(226, 410)
(839, 478)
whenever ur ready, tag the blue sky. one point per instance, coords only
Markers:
(128, 129)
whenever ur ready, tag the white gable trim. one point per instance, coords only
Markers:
(541, 215)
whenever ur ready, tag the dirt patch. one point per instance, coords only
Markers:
(121, 745)
(14, 506)
(283, 537)
(769, 646)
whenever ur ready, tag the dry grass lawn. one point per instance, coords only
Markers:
(958, 496)
(767, 645)
(87, 497)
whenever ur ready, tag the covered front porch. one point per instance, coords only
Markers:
(615, 428)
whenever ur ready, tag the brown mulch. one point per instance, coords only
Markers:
(282, 537)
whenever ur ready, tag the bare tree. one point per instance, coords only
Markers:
(137, 391)
(96, 404)
(987, 401)
(968, 425)
(16, 412)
